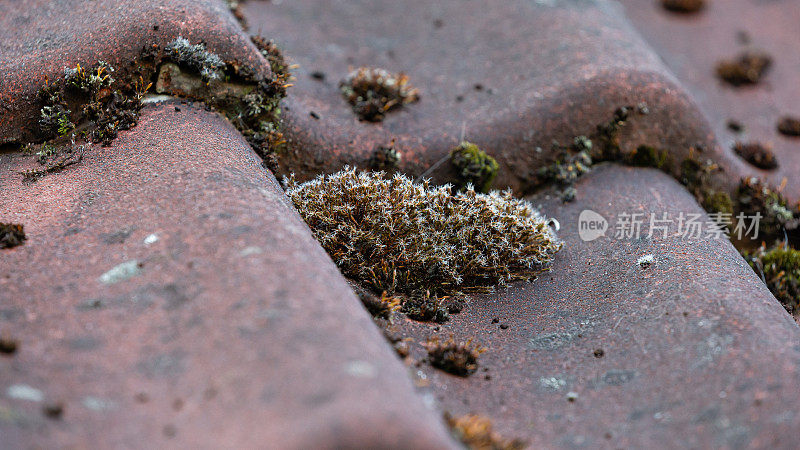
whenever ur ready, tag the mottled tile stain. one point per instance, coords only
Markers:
(84, 343)
(171, 296)
(554, 383)
(556, 340)
(551, 341)
(240, 230)
(168, 364)
(711, 348)
(98, 404)
(616, 377)
(117, 237)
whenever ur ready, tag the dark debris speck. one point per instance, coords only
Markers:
(11, 235)
(789, 126)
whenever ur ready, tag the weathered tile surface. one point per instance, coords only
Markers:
(692, 45)
(169, 295)
(509, 76)
(696, 353)
(41, 38)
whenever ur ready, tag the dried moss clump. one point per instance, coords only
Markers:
(474, 166)
(372, 92)
(207, 64)
(683, 6)
(757, 154)
(477, 433)
(748, 68)
(789, 126)
(397, 236)
(457, 358)
(780, 268)
(11, 235)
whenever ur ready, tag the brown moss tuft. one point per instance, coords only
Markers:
(683, 6)
(477, 433)
(747, 68)
(8, 346)
(757, 154)
(91, 98)
(372, 92)
(456, 358)
(789, 126)
(11, 235)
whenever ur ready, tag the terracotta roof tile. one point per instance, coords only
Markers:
(168, 295)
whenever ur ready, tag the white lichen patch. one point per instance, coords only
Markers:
(196, 56)
(645, 261)
(24, 392)
(397, 236)
(121, 272)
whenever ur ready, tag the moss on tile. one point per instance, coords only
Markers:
(746, 69)
(454, 357)
(779, 267)
(649, 156)
(396, 236)
(372, 92)
(474, 167)
(758, 154)
(477, 433)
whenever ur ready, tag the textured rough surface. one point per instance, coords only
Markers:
(41, 38)
(508, 76)
(168, 295)
(726, 28)
(691, 350)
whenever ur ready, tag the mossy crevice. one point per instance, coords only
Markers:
(249, 101)
(92, 103)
